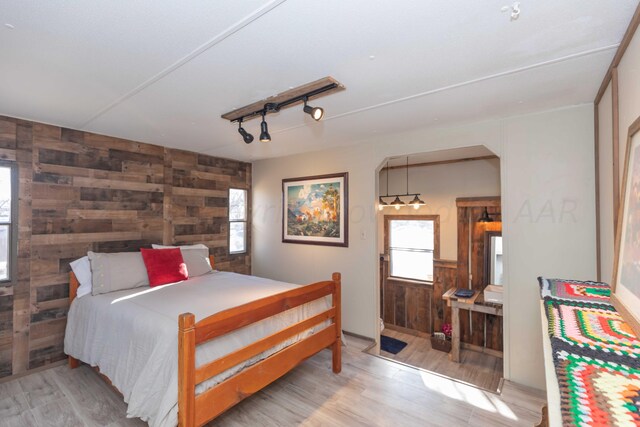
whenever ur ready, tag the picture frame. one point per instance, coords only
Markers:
(625, 287)
(315, 210)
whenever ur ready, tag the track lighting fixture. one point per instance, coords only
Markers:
(315, 112)
(264, 131)
(246, 136)
(289, 98)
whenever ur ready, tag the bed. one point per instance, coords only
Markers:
(186, 352)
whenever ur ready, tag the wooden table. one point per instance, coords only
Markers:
(474, 303)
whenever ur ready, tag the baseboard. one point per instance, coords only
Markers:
(408, 331)
(480, 349)
(362, 337)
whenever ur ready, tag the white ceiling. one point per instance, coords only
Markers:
(164, 71)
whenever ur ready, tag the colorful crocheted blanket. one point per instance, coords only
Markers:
(575, 290)
(595, 392)
(595, 353)
(594, 327)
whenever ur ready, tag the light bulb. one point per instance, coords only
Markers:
(380, 207)
(416, 206)
(397, 207)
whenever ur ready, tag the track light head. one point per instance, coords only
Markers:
(264, 134)
(315, 112)
(246, 136)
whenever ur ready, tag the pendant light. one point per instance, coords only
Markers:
(381, 202)
(397, 203)
(416, 202)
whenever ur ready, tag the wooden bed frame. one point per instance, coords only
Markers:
(198, 410)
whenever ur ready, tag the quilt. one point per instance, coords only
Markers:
(595, 352)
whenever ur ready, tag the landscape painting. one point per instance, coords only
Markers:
(630, 260)
(315, 210)
(626, 283)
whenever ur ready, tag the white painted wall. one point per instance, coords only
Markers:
(548, 222)
(547, 179)
(439, 186)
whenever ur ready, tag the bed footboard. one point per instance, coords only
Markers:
(197, 410)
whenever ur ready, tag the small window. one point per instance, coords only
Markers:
(411, 247)
(237, 221)
(7, 221)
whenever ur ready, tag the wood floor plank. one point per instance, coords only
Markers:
(12, 400)
(370, 391)
(40, 388)
(57, 413)
(24, 419)
(481, 370)
(85, 392)
(128, 422)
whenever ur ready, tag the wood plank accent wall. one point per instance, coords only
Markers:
(475, 326)
(445, 274)
(407, 304)
(80, 191)
(418, 306)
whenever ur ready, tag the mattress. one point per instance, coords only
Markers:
(132, 335)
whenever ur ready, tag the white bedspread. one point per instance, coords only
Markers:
(132, 335)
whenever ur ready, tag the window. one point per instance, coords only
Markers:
(7, 220)
(237, 221)
(412, 245)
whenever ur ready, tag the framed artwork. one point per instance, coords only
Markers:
(626, 273)
(315, 210)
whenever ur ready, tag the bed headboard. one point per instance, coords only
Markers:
(74, 284)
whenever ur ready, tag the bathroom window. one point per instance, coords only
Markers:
(412, 245)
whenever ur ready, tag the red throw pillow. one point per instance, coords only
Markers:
(164, 266)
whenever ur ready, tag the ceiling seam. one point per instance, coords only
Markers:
(219, 151)
(254, 16)
(461, 84)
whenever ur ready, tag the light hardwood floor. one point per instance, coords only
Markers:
(370, 391)
(479, 369)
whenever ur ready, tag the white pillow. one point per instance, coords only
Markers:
(82, 269)
(117, 271)
(196, 257)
